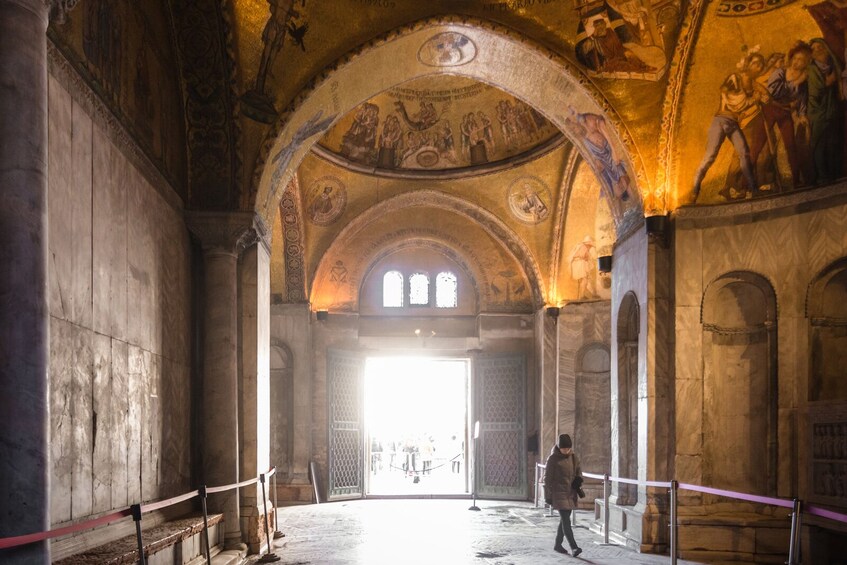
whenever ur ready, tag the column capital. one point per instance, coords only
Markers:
(229, 232)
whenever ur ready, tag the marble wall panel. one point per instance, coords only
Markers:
(133, 429)
(110, 236)
(116, 249)
(791, 454)
(80, 207)
(175, 285)
(118, 422)
(141, 264)
(61, 419)
(689, 417)
(286, 327)
(688, 356)
(688, 278)
(60, 218)
(81, 395)
(174, 397)
(102, 439)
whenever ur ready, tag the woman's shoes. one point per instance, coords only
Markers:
(559, 549)
(576, 551)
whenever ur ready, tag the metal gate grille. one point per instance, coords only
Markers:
(344, 376)
(501, 413)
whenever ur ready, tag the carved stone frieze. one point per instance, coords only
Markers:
(228, 232)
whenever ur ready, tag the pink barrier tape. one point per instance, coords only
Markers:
(165, 503)
(824, 513)
(740, 495)
(593, 476)
(87, 525)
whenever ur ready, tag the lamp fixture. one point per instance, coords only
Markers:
(604, 263)
(322, 315)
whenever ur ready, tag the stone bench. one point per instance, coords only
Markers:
(177, 541)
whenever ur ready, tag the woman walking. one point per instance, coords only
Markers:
(560, 490)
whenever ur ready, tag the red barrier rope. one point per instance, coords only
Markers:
(87, 525)
(15, 541)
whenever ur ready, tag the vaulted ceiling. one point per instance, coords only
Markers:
(524, 125)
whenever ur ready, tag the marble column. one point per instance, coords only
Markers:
(222, 235)
(254, 384)
(24, 321)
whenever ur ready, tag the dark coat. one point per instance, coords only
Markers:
(559, 474)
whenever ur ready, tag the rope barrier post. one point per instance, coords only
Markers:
(606, 488)
(277, 532)
(268, 557)
(136, 516)
(203, 495)
(673, 524)
(793, 547)
(535, 500)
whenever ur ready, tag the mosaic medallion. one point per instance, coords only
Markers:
(326, 200)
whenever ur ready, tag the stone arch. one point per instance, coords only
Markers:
(499, 57)
(826, 308)
(281, 405)
(739, 317)
(592, 423)
(495, 227)
(628, 330)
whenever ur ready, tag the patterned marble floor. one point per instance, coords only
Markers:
(437, 532)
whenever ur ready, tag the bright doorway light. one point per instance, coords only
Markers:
(416, 421)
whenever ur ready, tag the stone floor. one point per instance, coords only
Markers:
(436, 532)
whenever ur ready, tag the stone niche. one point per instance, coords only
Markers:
(827, 424)
(739, 397)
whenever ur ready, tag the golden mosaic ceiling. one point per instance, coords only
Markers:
(437, 124)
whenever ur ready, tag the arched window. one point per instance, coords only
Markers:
(445, 290)
(419, 289)
(392, 290)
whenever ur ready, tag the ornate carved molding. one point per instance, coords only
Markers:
(658, 201)
(59, 9)
(228, 232)
(204, 45)
(292, 236)
(755, 210)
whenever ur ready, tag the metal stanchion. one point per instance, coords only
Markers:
(673, 524)
(473, 475)
(203, 495)
(607, 486)
(794, 543)
(536, 485)
(277, 532)
(136, 516)
(269, 557)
